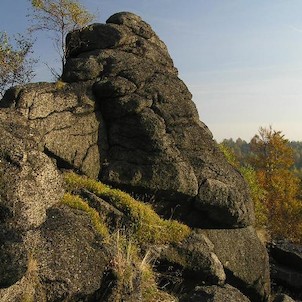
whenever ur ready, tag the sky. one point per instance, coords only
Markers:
(241, 59)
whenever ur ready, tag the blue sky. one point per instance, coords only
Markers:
(241, 59)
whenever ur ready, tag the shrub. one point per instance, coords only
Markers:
(60, 85)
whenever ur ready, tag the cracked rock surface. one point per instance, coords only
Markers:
(48, 251)
(122, 115)
(71, 127)
(156, 142)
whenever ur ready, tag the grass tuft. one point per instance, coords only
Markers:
(146, 225)
(76, 202)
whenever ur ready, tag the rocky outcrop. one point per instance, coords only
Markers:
(46, 249)
(122, 116)
(65, 115)
(156, 142)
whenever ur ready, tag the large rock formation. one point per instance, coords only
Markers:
(123, 116)
(156, 141)
(44, 245)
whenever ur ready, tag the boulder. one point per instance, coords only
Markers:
(70, 125)
(286, 264)
(156, 142)
(215, 293)
(245, 260)
(30, 183)
(283, 298)
(195, 259)
(65, 260)
(48, 252)
(287, 276)
(287, 254)
(71, 255)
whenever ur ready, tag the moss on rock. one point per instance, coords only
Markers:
(146, 225)
(76, 202)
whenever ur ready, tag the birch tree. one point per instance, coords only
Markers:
(59, 17)
(16, 63)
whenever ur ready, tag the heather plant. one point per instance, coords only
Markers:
(76, 202)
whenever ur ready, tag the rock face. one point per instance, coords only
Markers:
(44, 246)
(286, 268)
(123, 116)
(67, 119)
(156, 142)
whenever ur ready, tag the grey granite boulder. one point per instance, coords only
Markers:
(65, 260)
(287, 254)
(286, 264)
(48, 252)
(66, 117)
(215, 293)
(195, 259)
(30, 183)
(244, 259)
(156, 142)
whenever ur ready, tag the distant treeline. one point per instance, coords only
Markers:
(272, 169)
(241, 148)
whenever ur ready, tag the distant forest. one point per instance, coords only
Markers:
(272, 168)
(242, 150)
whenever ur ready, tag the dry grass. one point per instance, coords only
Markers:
(142, 230)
